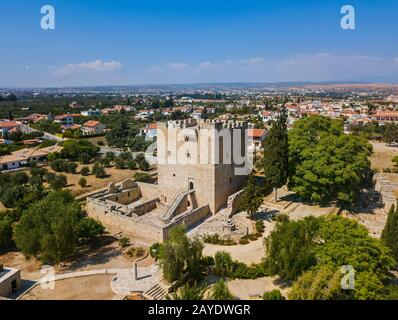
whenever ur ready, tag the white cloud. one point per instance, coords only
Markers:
(87, 67)
(205, 65)
(257, 60)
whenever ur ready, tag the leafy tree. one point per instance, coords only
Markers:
(391, 133)
(223, 264)
(326, 164)
(189, 292)
(142, 163)
(252, 197)
(82, 182)
(319, 284)
(5, 231)
(89, 229)
(142, 177)
(85, 171)
(84, 158)
(180, 255)
(276, 153)
(290, 248)
(389, 235)
(49, 228)
(220, 292)
(273, 295)
(20, 178)
(12, 194)
(98, 170)
(334, 242)
(73, 149)
(60, 181)
(120, 163)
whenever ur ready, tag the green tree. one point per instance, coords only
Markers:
(90, 229)
(6, 231)
(389, 235)
(85, 171)
(181, 256)
(98, 170)
(49, 228)
(58, 182)
(276, 154)
(290, 248)
(223, 264)
(326, 164)
(220, 292)
(273, 295)
(252, 197)
(82, 182)
(189, 292)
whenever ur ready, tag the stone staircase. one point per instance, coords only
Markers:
(169, 215)
(157, 292)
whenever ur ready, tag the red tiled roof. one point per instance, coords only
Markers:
(8, 124)
(91, 123)
(255, 133)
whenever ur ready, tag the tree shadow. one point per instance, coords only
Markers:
(98, 252)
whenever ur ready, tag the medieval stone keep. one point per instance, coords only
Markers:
(202, 167)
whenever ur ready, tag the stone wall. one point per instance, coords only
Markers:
(100, 211)
(188, 220)
(125, 197)
(146, 207)
(148, 190)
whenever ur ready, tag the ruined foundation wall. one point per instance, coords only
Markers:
(101, 212)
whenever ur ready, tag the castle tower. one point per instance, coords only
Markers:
(207, 156)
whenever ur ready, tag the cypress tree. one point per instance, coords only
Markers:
(252, 197)
(389, 236)
(276, 153)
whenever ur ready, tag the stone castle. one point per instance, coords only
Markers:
(201, 166)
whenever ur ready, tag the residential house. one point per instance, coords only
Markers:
(64, 120)
(257, 137)
(92, 127)
(22, 157)
(8, 126)
(150, 131)
(91, 113)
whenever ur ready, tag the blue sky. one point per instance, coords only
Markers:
(152, 42)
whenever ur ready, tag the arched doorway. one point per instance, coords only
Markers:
(191, 186)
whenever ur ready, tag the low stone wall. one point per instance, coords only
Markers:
(233, 202)
(188, 219)
(146, 207)
(100, 211)
(125, 197)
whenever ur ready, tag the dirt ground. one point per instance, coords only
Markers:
(105, 255)
(97, 287)
(382, 154)
(254, 289)
(93, 183)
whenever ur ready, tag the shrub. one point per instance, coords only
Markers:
(124, 242)
(120, 163)
(84, 158)
(243, 241)
(155, 249)
(260, 226)
(85, 171)
(273, 295)
(98, 170)
(71, 167)
(131, 164)
(82, 182)
(101, 143)
(142, 177)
